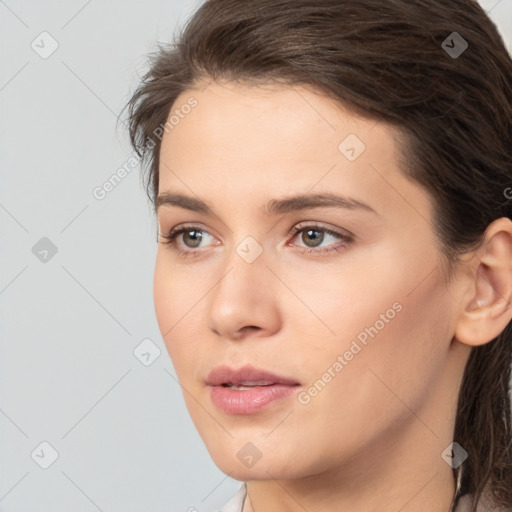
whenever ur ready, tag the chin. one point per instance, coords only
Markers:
(260, 471)
(237, 463)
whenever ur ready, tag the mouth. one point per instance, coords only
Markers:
(247, 376)
(247, 384)
(247, 390)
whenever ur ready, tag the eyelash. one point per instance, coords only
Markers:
(175, 232)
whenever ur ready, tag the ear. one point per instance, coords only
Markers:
(486, 308)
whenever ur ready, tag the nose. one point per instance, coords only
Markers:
(244, 302)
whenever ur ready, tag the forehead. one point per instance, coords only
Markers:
(283, 118)
(245, 144)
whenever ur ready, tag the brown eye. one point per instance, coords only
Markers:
(195, 237)
(191, 237)
(314, 235)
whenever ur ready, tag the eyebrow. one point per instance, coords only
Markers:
(274, 207)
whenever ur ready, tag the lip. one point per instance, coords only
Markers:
(226, 375)
(271, 387)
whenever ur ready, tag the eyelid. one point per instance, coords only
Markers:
(344, 235)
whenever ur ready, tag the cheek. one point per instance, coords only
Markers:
(399, 361)
(162, 297)
(391, 334)
(174, 302)
(333, 305)
(385, 379)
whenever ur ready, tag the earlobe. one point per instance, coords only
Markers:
(486, 309)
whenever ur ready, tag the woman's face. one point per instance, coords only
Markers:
(351, 313)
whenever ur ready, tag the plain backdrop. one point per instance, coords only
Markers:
(85, 424)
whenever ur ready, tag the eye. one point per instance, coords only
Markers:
(190, 232)
(313, 236)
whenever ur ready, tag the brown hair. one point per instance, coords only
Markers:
(391, 60)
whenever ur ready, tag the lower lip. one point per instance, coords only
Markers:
(248, 401)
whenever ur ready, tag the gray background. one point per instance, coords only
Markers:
(70, 323)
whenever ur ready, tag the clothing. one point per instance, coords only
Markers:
(461, 501)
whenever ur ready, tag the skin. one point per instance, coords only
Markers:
(373, 437)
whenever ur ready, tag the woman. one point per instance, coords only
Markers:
(333, 279)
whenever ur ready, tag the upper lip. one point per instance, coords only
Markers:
(246, 374)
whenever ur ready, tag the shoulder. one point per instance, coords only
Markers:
(235, 504)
